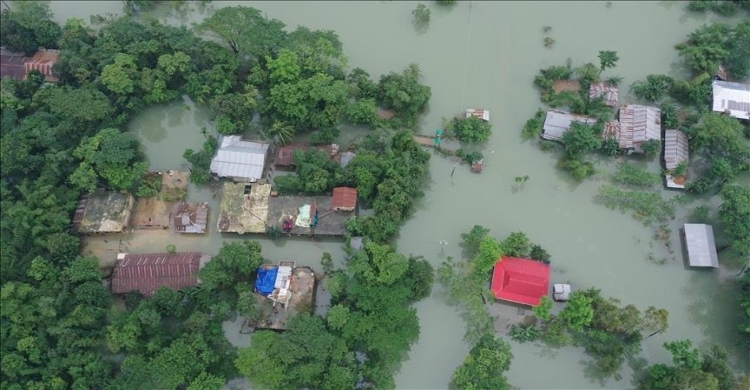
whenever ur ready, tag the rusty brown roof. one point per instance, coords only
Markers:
(147, 272)
(190, 217)
(344, 198)
(284, 156)
(12, 65)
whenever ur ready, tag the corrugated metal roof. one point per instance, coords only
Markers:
(284, 156)
(344, 198)
(558, 122)
(43, 61)
(479, 113)
(12, 65)
(638, 124)
(604, 89)
(147, 272)
(732, 97)
(190, 217)
(240, 159)
(520, 280)
(675, 148)
(699, 239)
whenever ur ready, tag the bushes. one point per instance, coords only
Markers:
(648, 207)
(533, 127)
(631, 175)
(654, 88)
(471, 129)
(200, 173)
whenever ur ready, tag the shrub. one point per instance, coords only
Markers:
(533, 126)
(471, 129)
(651, 147)
(631, 175)
(469, 156)
(325, 136)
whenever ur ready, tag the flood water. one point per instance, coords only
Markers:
(484, 55)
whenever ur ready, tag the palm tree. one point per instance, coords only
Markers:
(280, 132)
(607, 60)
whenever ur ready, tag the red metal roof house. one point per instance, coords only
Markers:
(147, 272)
(520, 280)
(344, 199)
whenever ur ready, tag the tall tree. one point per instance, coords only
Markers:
(246, 31)
(484, 366)
(607, 60)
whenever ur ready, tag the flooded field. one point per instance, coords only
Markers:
(483, 54)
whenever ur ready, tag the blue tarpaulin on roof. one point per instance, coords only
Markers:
(266, 280)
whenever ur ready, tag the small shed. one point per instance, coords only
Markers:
(477, 166)
(558, 122)
(284, 156)
(190, 217)
(344, 199)
(604, 89)
(561, 292)
(638, 124)
(147, 272)
(521, 281)
(479, 113)
(43, 61)
(240, 160)
(701, 247)
(732, 98)
(346, 157)
(675, 153)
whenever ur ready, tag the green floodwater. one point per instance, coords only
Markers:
(484, 55)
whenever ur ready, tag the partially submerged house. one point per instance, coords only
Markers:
(290, 288)
(103, 212)
(284, 156)
(700, 244)
(244, 208)
(479, 113)
(17, 66)
(190, 218)
(731, 98)
(605, 90)
(558, 122)
(675, 153)
(147, 272)
(520, 281)
(156, 212)
(242, 161)
(638, 124)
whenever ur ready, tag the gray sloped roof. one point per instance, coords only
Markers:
(639, 124)
(731, 97)
(240, 159)
(558, 122)
(675, 148)
(701, 247)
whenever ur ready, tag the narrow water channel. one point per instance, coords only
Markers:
(485, 55)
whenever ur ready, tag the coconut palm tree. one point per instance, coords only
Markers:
(280, 132)
(607, 60)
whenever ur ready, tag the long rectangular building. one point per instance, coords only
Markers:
(701, 247)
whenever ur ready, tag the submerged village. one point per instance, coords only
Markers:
(87, 302)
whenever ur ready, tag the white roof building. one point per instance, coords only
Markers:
(240, 160)
(732, 98)
(479, 113)
(701, 247)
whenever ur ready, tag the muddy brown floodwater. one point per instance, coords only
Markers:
(485, 55)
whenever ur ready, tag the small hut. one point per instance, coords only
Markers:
(479, 113)
(477, 166)
(344, 199)
(561, 292)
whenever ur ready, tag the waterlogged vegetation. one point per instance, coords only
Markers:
(60, 326)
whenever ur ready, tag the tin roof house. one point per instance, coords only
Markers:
(242, 161)
(147, 272)
(521, 281)
(558, 122)
(701, 247)
(731, 98)
(604, 89)
(17, 66)
(638, 124)
(675, 153)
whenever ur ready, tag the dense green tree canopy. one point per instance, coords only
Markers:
(483, 368)
(28, 27)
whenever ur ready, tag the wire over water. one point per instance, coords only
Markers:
(467, 47)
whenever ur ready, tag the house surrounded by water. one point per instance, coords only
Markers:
(103, 212)
(17, 66)
(638, 125)
(558, 122)
(521, 281)
(701, 246)
(289, 288)
(676, 156)
(731, 98)
(238, 160)
(605, 90)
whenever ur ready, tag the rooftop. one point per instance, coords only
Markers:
(520, 280)
(604, 89)
(288, 286)
(733, 98)
(638, 124)
(239, 160)
(190, 217)
(103, 212)
(479, 113)
(147, 272)
(156, 212)
(701, 248)
(284, 156)
(12, 65)
(244, 208)
(344, 198)
(43, 61)
(301, 211)
(675, 153)
(558, 122)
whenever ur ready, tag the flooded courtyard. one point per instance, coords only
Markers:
(480, 54)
